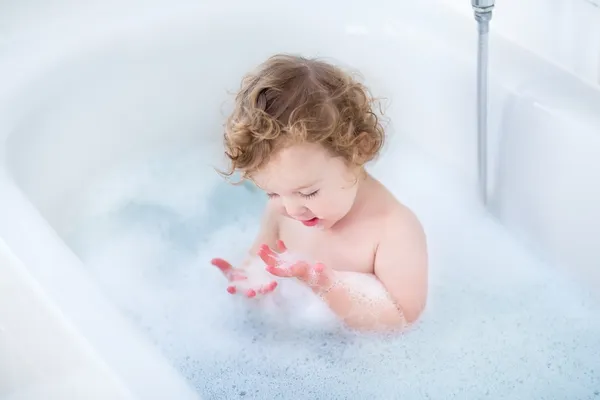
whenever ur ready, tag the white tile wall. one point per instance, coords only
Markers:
(566, 32)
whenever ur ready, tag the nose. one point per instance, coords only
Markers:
(294, 208)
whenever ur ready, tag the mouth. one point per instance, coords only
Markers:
(311, 222)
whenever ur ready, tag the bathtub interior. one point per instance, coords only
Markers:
(145, 60)
(114, 147)
(124, 81)
(58, 363)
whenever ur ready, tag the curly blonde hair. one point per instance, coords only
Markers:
(291, 100)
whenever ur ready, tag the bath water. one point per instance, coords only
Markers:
(499, 323)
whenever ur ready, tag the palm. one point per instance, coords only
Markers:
(277, 266)
(312, 274)
(239, 282)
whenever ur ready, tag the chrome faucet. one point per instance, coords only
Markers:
(482, 5)
(483, 12)
(483, 15)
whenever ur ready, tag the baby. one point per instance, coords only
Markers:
(302, 131)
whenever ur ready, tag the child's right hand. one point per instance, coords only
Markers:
(239, 282)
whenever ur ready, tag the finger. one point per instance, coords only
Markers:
(250, 293)
(231, 289)
(230, 273)
(319, 268)
(298, 270)
(281, 246)
(267, 255)
(278, 271)
(223, 265)
(268, 288)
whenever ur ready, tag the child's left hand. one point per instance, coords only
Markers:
(314, 275)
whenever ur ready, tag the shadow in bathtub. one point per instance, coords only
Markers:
(152, 226)
(225, 206)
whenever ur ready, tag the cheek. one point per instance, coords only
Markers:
(336, 203)
(347, 197)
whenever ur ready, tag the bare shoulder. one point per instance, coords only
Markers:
(396, 220)
(402, 224)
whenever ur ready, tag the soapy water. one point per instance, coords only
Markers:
(499, 324)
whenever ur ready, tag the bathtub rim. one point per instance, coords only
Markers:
(91, 331)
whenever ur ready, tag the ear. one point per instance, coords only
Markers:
(367, 147)
(362, 148)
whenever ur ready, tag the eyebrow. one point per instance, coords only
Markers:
(306, 186)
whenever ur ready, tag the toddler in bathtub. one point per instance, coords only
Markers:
(302, 131)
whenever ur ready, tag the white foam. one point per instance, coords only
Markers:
(256, 274)
(499, 324)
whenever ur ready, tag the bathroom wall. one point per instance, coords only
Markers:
(566, 32)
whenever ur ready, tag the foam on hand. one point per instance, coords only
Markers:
(498, 323)
(256, 276)
(291, 304)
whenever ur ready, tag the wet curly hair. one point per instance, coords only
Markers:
(291, 100)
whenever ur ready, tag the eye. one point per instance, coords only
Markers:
(310, 195)
(272, 195)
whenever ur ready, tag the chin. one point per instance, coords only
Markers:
(332, 222)
(328, 223)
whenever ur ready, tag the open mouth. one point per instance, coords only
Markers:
(311, 222)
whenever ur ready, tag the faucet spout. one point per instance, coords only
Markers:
(483, 15)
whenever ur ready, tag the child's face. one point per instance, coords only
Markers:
(309, 185)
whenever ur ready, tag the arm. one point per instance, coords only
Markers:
(396, 295)
(268, 234)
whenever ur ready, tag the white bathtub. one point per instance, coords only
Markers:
(100, 87)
